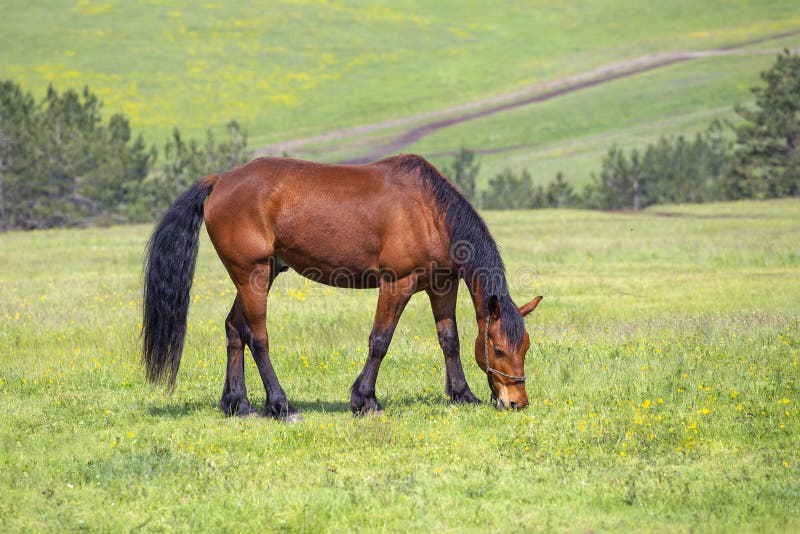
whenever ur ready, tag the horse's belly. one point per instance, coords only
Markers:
(347, 268)
(352, 268)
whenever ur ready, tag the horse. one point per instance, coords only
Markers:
(398, 225)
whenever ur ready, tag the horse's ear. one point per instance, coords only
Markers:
(494, 308)
(529, 307)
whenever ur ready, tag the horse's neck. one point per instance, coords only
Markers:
(480, 307)
(479, 295)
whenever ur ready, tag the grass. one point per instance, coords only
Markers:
(663, 390)
(294, 69)
(574, 132)
(291, 69)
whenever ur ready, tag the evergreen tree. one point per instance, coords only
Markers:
(507, 191)
(17, 110)
(59, 164)
(559, 194)
(463, 172)
(768, 162)
(613, 187)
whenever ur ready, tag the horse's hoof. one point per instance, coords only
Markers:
(466, 397)
(281, 411)
(239, 409)
(370, 407)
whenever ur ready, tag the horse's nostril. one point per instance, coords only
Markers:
(513, 405)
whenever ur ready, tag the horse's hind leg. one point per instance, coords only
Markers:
(234, 394)
(392, 300)
(253, 285)
(443, 304)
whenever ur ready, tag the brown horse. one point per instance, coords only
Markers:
(397, 225)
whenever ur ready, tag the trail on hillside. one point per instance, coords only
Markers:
(541, 92)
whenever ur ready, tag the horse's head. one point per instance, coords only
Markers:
(500, 351)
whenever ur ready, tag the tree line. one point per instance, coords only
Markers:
(757, 158)
(62, 164)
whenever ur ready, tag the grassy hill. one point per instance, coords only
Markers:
(663, 387)
(293, 69)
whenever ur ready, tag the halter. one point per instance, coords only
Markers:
(490, 369)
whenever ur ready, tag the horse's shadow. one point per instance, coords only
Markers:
(321, 406)
(304, 406)
(178, 410)
(184, 409)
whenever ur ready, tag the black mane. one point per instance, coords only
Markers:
(472, 247)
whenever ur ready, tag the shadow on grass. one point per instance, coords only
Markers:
(388, 402)
(176, 410)
(321, 406)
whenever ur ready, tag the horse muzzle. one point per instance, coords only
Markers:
(510, 405)
(509, 399)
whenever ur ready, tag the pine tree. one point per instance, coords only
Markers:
(463, 172)
(768, 162)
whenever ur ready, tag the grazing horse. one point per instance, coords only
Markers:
(397, 225)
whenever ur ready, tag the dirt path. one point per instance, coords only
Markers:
(540, 92)
(593, 138)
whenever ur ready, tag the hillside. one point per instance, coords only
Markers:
(296, 69)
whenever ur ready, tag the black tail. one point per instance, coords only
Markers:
(169, 268)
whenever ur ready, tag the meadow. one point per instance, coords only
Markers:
(663, 386)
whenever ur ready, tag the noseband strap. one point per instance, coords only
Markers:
(490, 369)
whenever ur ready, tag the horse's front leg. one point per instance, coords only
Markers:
(443, 304)
(392, 300)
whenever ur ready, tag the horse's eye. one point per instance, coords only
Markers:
(498, 352)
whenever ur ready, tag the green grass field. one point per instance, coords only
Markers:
(664, 367)
(290, 69)
(664, 390)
